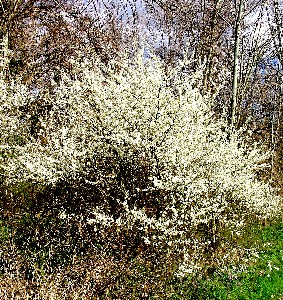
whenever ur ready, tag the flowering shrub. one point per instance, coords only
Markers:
(145, 130)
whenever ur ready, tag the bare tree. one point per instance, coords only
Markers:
(44, 35)
(4, 56)
(236, 63)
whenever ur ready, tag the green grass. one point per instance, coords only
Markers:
(4, 232)
(258, 274)
(261, 279)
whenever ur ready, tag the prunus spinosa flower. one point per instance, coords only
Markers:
(138, 106)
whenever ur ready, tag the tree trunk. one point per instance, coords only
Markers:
(236, 65)
(4, 57)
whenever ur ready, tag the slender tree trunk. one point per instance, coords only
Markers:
(236, 64)
(279, 29)
(210, 46)
(4, 56)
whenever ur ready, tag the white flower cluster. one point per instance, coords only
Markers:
(158, 112)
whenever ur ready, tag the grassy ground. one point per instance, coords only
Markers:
(260, 279)
(257, 275)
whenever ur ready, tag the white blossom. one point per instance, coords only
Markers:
(157, 113)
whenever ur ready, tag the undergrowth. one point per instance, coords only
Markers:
(256, 272)
(257, 275)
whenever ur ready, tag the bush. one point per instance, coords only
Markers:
(165, 175)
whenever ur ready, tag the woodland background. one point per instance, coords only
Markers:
(42, 35)
(237, 45)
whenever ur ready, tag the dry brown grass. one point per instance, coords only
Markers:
(95, 276)
(87, 278)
